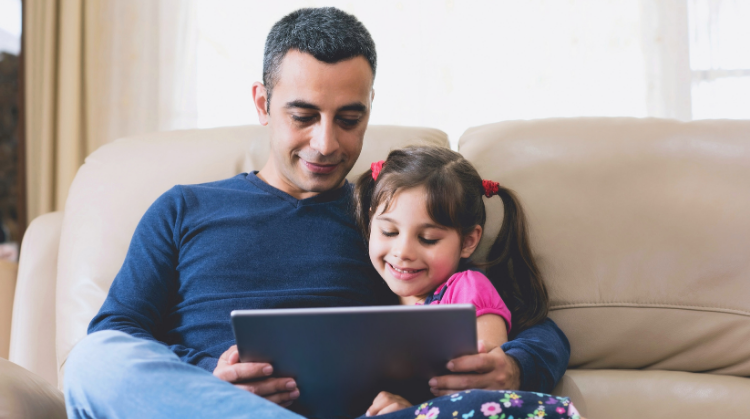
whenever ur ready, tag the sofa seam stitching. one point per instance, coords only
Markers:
(642, 305)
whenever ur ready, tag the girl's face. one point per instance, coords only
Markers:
(412, 253)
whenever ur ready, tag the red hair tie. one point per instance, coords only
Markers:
(376, 168)
(490, 188)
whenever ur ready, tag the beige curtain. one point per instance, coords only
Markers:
(98, 70)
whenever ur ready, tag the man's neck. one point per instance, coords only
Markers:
(285, 187)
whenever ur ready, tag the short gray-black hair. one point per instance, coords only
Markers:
(327, 33)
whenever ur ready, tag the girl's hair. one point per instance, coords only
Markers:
(454, 200)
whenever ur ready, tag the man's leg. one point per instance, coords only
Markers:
(111, 374)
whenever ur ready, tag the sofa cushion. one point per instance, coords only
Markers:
(8, 273)
(120, 180)
(614, 394)
(642, 231)
(33, 335)
(24, 395)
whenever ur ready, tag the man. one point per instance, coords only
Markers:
(201, 251)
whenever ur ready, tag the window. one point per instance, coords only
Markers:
(720, 58)
(457, 64)
(10, 46)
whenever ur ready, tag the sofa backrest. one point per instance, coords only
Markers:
(642, 230)
(119, 181)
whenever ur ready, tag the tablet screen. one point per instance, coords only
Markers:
(342, 358)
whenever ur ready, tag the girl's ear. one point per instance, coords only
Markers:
(471, 241)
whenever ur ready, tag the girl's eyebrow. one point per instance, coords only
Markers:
(425, 225)
(431, 225)
(384, 218)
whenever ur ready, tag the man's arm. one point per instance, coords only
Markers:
(141, 295)
(542, 353)
(534, 361)
(138, 299)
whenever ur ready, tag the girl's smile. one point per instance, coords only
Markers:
(403, 274)
(412, 253)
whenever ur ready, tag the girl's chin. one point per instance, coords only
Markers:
(410, 299)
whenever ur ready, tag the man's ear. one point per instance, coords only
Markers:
(260, 100)
(471, 241)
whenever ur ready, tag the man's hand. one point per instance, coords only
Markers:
(386, 402)
(489, 369)
(255, 378)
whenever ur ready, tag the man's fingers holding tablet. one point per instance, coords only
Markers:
(493, 370)
(271, 386)
(254, 377)
(242, 371)
(230, 356)
(281, 391)
(480, 363)
(284, 399)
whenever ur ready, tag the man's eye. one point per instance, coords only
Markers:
(302, 119)
(428, 241)
(348, 122)
(389, 233)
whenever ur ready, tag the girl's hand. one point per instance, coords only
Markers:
(386, 402)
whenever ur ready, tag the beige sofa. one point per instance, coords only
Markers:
(642, 228)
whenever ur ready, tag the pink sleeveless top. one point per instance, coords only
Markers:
(471, 287)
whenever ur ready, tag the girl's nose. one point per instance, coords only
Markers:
(404, 250)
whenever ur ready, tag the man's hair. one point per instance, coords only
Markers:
(327, 33)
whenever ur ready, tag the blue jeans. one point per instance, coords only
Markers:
(111, 374)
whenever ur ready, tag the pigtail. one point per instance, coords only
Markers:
(512, 269)
(363, 190)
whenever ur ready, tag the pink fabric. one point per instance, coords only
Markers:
(472, 287)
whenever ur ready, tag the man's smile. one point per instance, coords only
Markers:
(320, 168)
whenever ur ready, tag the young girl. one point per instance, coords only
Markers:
(422, 212)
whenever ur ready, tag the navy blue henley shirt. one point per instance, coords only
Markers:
(201, 251)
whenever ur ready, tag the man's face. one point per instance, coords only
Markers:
(317, 119)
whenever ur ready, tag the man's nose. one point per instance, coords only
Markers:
(324, 139)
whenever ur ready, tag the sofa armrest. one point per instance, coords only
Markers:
(32, 342)
(25, 395)
(8, 271)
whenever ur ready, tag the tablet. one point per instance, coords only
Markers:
(342, 358)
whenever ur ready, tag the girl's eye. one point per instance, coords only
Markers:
(428, 241)
(388, 233)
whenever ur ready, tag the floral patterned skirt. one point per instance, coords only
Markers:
(490, 404)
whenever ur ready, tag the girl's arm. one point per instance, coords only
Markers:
(491, 329)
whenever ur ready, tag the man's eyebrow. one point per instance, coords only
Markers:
(358, 107)
(301, 104)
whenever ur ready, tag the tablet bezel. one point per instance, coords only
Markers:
(350, 352)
